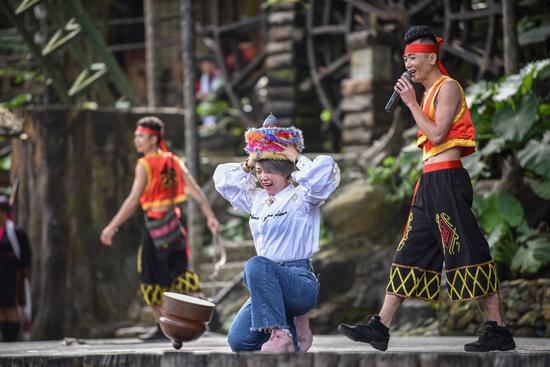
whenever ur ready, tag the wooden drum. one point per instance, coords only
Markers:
(184, 317)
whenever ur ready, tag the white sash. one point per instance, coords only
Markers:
(26, 310)
(12, 239)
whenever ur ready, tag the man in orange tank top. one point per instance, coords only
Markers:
(161, 182)
(441, 228)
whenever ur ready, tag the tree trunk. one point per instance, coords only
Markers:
(151, 67)
(191, 137)
(510, 38)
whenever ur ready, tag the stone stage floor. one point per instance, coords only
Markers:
(211, 350)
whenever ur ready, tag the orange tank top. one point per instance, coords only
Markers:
(165, 184)
(461, 133)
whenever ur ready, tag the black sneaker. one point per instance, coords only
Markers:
(155, 334)
(493, 337)
(373, 332)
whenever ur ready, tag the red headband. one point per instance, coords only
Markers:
(427, 48)
(146, 130)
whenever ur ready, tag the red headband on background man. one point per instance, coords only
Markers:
(146, 130)
(427, 48)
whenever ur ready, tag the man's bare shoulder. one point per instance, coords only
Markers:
(451, 87)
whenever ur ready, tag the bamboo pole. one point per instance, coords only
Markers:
(510, 37)
(191, 136)
(151, 66)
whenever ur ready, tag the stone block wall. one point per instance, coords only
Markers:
(365, 93)
(290, 92)
(279, 64)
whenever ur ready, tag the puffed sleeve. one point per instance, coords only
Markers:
(317, 179)
(235, 185)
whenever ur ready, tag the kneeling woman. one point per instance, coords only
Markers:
(284, 221)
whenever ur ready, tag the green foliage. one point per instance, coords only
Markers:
(530, 258)
(384, 173)
(498, 208)
(499, 214)
(542, 189)
(513, 124)
(235, 229)
(213, 105)
(326, 115)
(286, 73)
(399, 174)
(536, 156)
(475, 166)
(19, 77)
(513, 243)
(513, 117)
(11, 42)
(269, 3)
(212, 108)
(18, 101)
(228, 122)
(534, 29)
(326, 236)
(5, 163)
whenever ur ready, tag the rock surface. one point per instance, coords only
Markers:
(359, 209)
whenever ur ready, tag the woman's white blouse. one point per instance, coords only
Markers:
(285, 226)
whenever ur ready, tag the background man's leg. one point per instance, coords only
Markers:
(389, 309)
(492, 308)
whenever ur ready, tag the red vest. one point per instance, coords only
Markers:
(165, 185)
(461, 133)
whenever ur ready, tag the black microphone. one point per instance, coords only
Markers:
(392, 102)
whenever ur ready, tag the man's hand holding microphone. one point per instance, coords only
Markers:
(403, 89)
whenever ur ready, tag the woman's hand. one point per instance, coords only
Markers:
(248, 165)
(289, 151)
(107, 235)
(213, 224)
(406, 91)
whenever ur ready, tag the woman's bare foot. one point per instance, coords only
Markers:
(305, 338)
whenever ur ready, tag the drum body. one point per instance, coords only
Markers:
(184, 317)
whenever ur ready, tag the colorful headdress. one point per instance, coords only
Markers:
(260, 142)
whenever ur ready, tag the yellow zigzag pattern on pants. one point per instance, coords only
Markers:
(413, 283)
(472, 281)
(185, 283)
(462, 283)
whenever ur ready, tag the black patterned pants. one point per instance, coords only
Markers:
(442, 232)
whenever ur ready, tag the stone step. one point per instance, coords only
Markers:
(225, 274)
(212, 350)
(235, 251)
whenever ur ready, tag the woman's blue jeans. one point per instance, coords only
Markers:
(278, 292)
